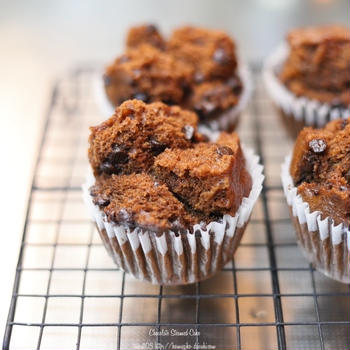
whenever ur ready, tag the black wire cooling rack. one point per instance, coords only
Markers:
(68, 294)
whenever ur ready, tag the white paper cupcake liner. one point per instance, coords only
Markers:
(307, 111)
(227, 120)
(170, 259)
(325, 244)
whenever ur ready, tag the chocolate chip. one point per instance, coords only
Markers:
(141, 96)
(118, 155)
(107, 168)
(224, 150)
(188, 130)
(102, 202)
(318, 145)
(106, 80)
(156, 147)
(220, 56)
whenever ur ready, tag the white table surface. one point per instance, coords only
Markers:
(40, 40)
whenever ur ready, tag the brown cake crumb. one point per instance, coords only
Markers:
(145, 34)
(210, 52)
(210, 178)
(147, 74)
(137, 200)
(320, 168)
(137, 132)
(318, 65)
(210, 98)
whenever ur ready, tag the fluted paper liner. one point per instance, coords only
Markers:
(302, 109)
(225, 121)
(171, 258)
(325, 244)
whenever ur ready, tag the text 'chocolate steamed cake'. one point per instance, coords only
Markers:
(320, 168)
(137, 132)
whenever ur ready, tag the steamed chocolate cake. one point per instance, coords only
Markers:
(316, 182)
(161, 143)
(196, 68)
(318, 65)
(170, 205)
(320, 169)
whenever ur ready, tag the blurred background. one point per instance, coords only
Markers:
(40, 40)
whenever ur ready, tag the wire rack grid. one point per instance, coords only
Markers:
(69, 295)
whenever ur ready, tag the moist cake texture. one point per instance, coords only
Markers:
(138, 200)
(320, 169)
(136, 133)
(210, 178)
(154, 170)
(318, 65)
(196, 69)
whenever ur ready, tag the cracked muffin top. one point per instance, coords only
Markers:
(154, 170)
(318, 64)
(320, 169)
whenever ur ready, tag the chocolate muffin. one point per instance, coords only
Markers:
(318, 65)
(147, 74)
(170, 205)
(320, 172)
(196, 68)
(310, 80)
